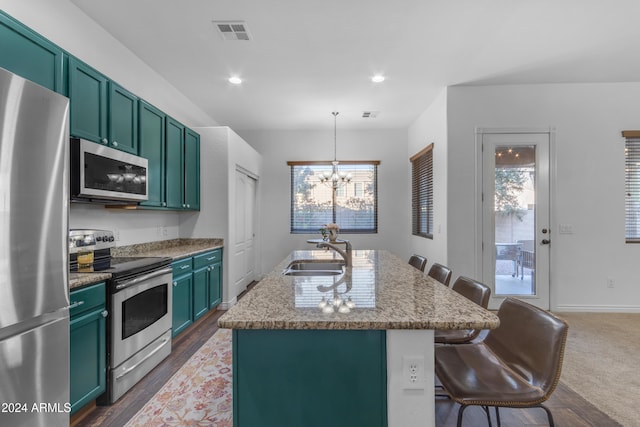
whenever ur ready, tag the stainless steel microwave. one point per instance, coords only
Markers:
(105, 175)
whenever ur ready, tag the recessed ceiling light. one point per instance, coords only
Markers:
(235, 80)
(378, 78)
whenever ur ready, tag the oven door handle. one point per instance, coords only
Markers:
(131, 368)
(139, 279)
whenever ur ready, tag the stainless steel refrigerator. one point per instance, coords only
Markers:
(34, 294)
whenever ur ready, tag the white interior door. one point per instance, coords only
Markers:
(244, 251)
(515, 216)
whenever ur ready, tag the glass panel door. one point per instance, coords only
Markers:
(516, 216)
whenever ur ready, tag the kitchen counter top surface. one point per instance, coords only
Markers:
(387, 292)
(175, 249)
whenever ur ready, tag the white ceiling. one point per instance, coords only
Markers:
(308, 58)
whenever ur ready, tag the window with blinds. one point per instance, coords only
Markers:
(353, 206)
(632, 185)
(422, 193)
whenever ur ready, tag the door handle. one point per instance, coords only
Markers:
(545, 241)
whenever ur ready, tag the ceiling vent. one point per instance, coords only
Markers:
(232, 30)
(369, 114)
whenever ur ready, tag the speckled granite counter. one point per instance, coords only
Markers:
(78, 280)
(388, 294)
(176, 249)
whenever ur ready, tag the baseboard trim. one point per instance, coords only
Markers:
(598, 308)
(226, 305)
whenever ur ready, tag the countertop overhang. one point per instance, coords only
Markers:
(388, 294)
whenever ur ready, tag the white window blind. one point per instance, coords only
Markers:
(354, 207)
(422, 193)
(632, 186)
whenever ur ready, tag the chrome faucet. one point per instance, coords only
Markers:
(346, 254)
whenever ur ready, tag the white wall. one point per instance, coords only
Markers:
(278, 147)
(222, 151)
(61, 22)
(431, 127)
(588, 192)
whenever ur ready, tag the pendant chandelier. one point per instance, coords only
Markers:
(335, 178)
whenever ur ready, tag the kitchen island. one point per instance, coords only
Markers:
(312, 350)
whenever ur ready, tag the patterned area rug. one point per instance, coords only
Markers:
(199, 394)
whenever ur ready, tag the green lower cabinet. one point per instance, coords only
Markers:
(88, 342)
(182, 315)
(215, 285)
(310, 378)
(200, 292)
(197, 285)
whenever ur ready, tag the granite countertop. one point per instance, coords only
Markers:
(175, 249)
(388, 294)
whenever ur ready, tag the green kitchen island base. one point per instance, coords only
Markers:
(309, 378)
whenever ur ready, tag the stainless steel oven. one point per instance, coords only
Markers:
(139, 302)
(140, 327)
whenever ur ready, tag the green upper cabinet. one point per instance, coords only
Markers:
(101, 110)
(192, 170)
(26, 53)
(174, 164)
(88, 96)
(151, 127)
(123, 119)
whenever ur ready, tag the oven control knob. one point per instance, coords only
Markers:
(111, 238)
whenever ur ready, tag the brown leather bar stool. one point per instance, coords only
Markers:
(418, 262)
(441, 273)
(517, 365)
(474, 291)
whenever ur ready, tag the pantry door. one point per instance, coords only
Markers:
(244, 244)
(516, 233)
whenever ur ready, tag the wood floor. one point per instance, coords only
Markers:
(568, 408)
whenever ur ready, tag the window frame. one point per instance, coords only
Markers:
(632, 186)
(334, 205)
(422, 192)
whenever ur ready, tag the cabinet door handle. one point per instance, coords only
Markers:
(104, 141)
(175, 283)
(76, 304)
(104, 313)
(164, 203)
(211, 259)
(184, 266)
(115, 143)
(188, 205)
(184, 205)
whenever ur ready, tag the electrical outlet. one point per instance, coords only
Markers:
(413, 372)
(165, 231)
(610, 283)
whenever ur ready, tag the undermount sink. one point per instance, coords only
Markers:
(314, 268)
